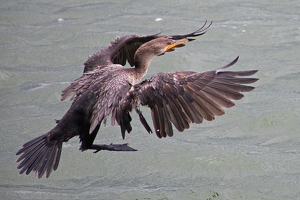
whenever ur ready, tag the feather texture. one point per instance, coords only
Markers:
(107, 88)
(189, 97)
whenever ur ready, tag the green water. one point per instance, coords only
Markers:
(252, 152)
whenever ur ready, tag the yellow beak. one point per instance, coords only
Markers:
(176, 43)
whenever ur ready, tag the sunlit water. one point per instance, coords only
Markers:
(252, 152)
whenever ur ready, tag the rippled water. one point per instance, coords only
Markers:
(252, 152)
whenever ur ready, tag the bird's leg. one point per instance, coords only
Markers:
(88, 139)
(143, 120)
(111, 147)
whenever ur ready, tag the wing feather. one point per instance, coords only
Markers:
(181, 98)
(120, 51)
(178, 98)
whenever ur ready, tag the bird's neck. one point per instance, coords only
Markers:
(142, 60)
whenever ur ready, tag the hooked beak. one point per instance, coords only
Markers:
(175, 44)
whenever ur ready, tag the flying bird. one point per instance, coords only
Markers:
(107, 88)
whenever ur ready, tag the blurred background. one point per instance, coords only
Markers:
(251, 152)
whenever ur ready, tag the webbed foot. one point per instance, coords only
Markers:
(111, 147)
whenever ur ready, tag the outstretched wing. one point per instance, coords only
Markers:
(118, 52)
(181, 98)
(83, 83)
(196, 33)
(124, 48)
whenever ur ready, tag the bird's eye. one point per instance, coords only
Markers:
(169, 43)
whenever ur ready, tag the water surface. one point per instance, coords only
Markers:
(252, 152)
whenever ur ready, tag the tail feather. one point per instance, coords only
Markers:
(39, 155)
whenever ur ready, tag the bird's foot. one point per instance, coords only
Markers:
(111, 147)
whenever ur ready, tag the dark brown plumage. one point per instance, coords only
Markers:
(107, 88)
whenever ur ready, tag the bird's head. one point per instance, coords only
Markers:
(157, 47)
(163, 45)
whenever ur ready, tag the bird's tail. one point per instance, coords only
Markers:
(40, 155)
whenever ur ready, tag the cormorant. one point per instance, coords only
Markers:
(107, 88)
